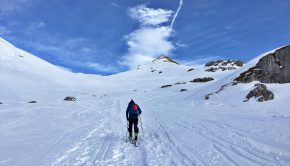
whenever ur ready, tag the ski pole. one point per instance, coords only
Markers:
(127, 131)
(141, 126)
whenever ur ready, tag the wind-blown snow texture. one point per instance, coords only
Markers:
(180, 128)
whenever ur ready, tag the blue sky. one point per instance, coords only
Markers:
(111, 36)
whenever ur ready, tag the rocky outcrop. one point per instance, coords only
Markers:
(69, 98)
(32, 102)
(181, 82)
(272, 68)
(164, 58)
(191, 69)
(166, 86)
(221, 89)
(183, 90)
(1, 103)
(261, 93)
(205, 79)
(223, 65)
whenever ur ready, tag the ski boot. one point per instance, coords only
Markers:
(131, 138)
(136, 139)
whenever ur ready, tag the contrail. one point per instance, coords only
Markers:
(176, 13)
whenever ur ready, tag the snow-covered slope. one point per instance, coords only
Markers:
(26, 77)
(176, 128)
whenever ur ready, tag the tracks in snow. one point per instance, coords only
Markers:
(170, 139)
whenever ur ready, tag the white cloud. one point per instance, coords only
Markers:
(180, 44)
(146, 44)
(151, 39)
(133, 60)
(150, 16)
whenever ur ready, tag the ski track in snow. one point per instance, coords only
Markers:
(222, 143)
(172, 136)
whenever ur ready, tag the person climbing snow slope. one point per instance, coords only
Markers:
(132, 113)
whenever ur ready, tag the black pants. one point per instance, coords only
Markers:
(135, 122)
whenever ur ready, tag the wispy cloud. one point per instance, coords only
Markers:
(36, 25)
(180, 44)
(4, 31)
(150, 16)
(152, 39)
(176, 13)
(77, 52)
(101, 67)
(95, 66)
(10, 6)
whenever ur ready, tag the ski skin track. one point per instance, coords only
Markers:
(221, 145)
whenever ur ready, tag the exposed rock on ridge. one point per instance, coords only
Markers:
(165, 59)
(272, 68)
(223, 65)
(205, 79)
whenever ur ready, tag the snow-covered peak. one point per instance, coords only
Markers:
(164, 58)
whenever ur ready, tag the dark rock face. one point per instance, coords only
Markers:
(182, 90)
(213, 66)
(272, 68)
(225, 63)
(205, 79)
(69, 98)
(32, 102)
(1, 103)
(190, 69)
(166, 86)
(181, 82)
(261, 93)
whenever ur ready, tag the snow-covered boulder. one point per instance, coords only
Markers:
(272, 68)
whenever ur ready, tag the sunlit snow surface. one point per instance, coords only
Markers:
(179, 128)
